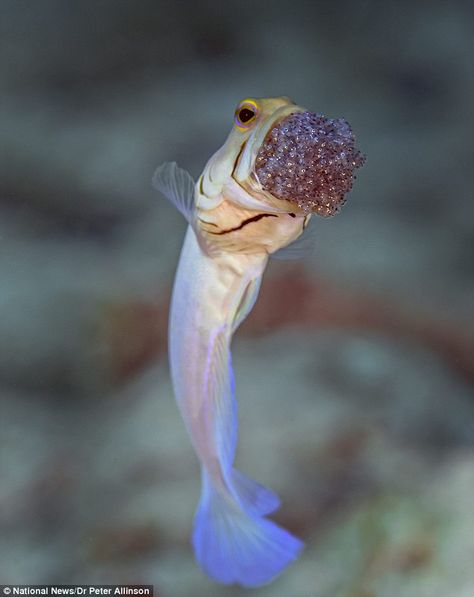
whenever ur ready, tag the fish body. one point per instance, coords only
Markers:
(235, 224)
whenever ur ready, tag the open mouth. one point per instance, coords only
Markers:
(309, 160)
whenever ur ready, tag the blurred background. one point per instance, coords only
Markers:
(355, 370)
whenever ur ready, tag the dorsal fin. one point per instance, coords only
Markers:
(177, 185)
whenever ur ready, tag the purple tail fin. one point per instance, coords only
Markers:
(234, 544)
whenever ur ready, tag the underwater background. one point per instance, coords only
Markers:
(355, 370)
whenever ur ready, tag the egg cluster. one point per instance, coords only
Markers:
(309, 160)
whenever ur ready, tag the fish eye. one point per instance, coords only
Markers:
(245, 114)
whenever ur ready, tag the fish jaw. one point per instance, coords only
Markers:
(235, 229)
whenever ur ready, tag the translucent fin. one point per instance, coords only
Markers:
(302, 247)
(233, 545)
(177, 186)
(255, 498)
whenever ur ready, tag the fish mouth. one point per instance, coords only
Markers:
(308, 160)
(243, 172)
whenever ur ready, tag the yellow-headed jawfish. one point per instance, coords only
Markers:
(279, 165)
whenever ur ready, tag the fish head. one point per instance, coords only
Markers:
(232, 164)
(279, 157)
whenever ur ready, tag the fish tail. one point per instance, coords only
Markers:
(234, 544)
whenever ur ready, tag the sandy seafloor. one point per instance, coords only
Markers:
(354, 373)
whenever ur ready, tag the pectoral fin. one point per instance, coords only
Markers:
(177, 186)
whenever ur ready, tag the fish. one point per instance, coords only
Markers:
(280, 165)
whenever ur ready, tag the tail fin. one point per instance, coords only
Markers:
(233, 544)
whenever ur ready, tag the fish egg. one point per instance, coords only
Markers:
(324, 149)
